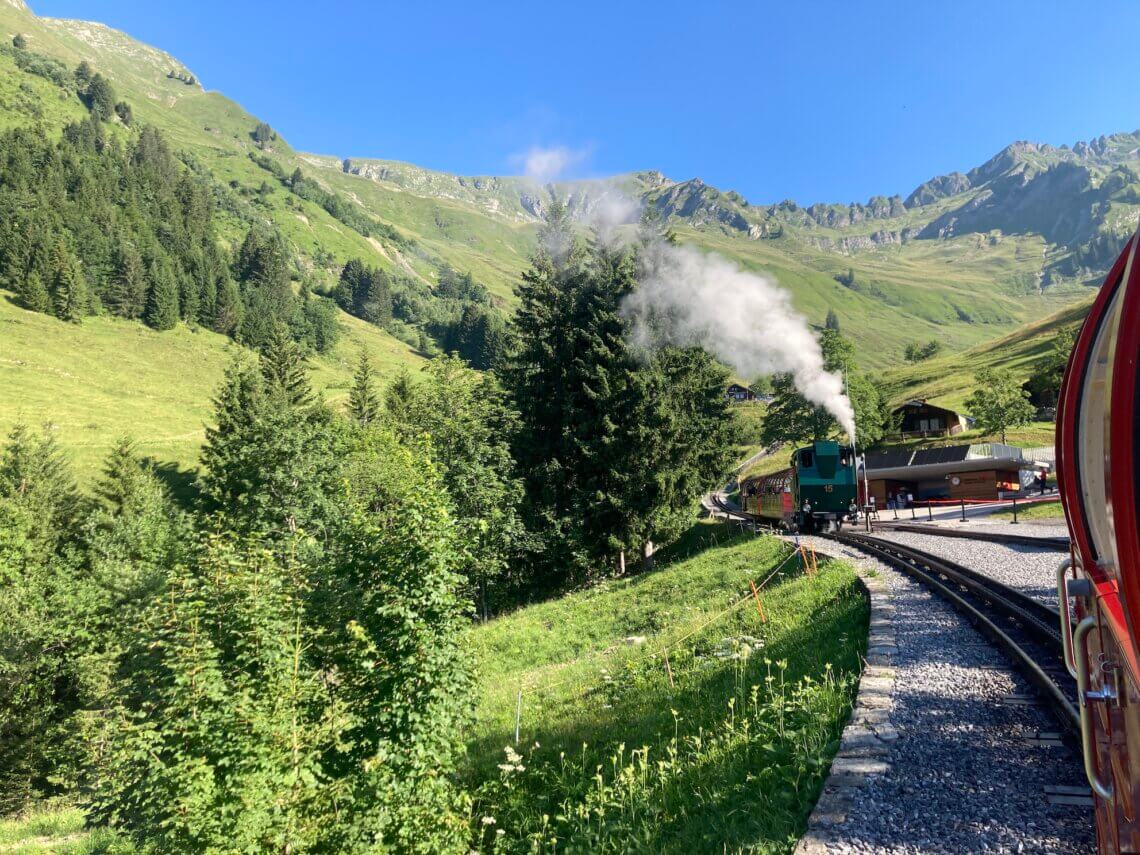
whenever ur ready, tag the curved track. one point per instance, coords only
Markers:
(1027, 631)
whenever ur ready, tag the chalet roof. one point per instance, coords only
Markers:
(922, 402)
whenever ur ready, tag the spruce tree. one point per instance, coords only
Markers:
(272, 458)
(162, 299)
(68, 290)
(228, 307)
(284, 369)
(127, 295)
(83, 74)
(33, 295)
(100, 98)
(363, 403)
(37, 484)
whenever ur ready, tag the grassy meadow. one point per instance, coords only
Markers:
(727, 745)
(948, 380)
(96, 381)
(1048, 510)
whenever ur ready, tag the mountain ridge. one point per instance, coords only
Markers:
(895, 272)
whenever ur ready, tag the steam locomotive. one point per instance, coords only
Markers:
(1098, 457)
(816, 493)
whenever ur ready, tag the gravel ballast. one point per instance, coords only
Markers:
(948, 749)
(1029, 569)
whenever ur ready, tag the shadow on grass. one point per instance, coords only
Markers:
(182, 483)
(702, 535)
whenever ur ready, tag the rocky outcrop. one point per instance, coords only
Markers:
(939, 187)
(862, 243)
(701, 204)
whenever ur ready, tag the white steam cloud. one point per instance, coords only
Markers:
(689, 298)
(549, 164)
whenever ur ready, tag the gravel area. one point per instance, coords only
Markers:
(1030, 570)
(1030, 528)
(957, 768)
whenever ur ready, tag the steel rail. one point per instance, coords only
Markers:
(1004, 605)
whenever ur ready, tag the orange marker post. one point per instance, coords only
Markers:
(759, 606)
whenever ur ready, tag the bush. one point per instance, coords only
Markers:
(287, 703)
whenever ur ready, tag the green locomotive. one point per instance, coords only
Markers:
(817, 493)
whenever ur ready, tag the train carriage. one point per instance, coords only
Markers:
(1098, 456)
(822, 475)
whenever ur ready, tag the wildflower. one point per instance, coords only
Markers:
(488, 820)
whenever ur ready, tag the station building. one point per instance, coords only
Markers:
(979, 471)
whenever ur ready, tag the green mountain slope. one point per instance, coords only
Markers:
(965, 258)
(105, 378)
(957, 260)
(949, 380)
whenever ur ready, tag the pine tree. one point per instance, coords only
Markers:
(283, 366)
(19, 42)
(832, 322)
(162, 299)
(83, 74)
(100, 98)
(68, 290)
(363, 404)
(127, 296)
(33, 295)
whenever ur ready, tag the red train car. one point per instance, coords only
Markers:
(1098, 455)
(770, 497)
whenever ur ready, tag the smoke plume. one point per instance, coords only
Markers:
(746, 320)
(549, 164)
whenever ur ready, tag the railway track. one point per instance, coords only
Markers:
(1026, 630)
(1059, 544)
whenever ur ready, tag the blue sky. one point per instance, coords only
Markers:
(810, 101)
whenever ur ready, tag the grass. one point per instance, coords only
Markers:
(613, 756)
(58, 830)
(96, 381)
(950, 379)
(1032, 435)
(1050, 510)
(749, 418)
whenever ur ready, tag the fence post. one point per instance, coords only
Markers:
(963, 511)
(1014, 511)
(668, 669)
(929, 512)
(759, 608)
